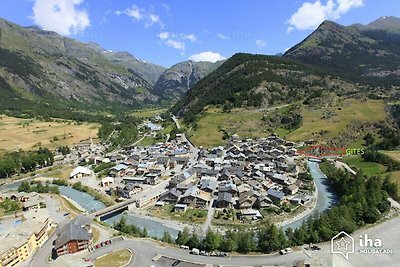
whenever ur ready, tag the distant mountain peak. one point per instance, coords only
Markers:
(387, 23)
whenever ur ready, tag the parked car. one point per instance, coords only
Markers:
(184, 247)
(283, 252)
(203, 253)
(176, 263)
(195, 251)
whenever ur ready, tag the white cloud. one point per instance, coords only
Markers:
(310, 15)
(190, 37)
(164, 35)
(207, 56)
(175, 44)
(141, 14)
(134, 12)
(261, 43)
(222, 36)
(61, 16)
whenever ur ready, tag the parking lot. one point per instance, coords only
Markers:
(162, 261)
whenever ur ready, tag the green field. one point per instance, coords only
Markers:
(350, 111)
(368, 168)
(245, 123)
(147, 141)
(248, 123)
(147, 113)
(395, 155)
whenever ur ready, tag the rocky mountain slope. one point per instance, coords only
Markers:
(177, 80)
(258, 80)
(368, 54)
(148, 71)
(42, 66)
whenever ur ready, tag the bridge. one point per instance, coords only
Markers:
(113, 210)
(118, 208)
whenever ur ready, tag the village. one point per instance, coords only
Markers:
(248, 176)
(251, 180)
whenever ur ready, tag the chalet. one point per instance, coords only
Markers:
(300, 199)
(152, 178)
(208, 184)
(280, 178)
(250, 214)
(186, 177)
(292, 189)
(128, 190)
(229, 187)
(276, 196)
(224, 200)
(80, 172)
(182, 160)
(195, 197)
(180, 208)
(163, 161)
(171, 196)
(118, 170)
(247, 200)
(107, 181)
(263, 202)
(135, 180)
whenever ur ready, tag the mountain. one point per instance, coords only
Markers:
(259, 80)
(178, 79)
(388, 24)
(368, 54)
(39, 67)
(148, 71)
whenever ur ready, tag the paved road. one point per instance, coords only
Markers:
(146, 250)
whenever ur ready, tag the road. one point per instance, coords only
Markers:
(342, 165)
(146, 249)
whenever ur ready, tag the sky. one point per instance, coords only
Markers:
(166, 32)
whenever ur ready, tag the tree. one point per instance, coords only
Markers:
(24, 187)
(369, 139)
(193, 241)
(167, 238)
(212, 241)
(246, 242)
(229, 242)
(183, 237)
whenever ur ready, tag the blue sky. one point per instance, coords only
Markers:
(169, 31)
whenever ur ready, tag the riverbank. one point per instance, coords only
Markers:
(179, 226)
(304, 213)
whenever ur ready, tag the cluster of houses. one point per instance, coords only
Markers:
(138, 166)
(28, 201)
(247, 175)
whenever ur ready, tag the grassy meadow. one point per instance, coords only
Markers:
(351, 110)
(368, 168)
(29, 134)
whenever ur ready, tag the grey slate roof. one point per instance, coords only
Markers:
(74, 230)
(275, 193)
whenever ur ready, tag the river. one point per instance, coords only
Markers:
(326, 197)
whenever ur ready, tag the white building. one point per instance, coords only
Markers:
(80, 172)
